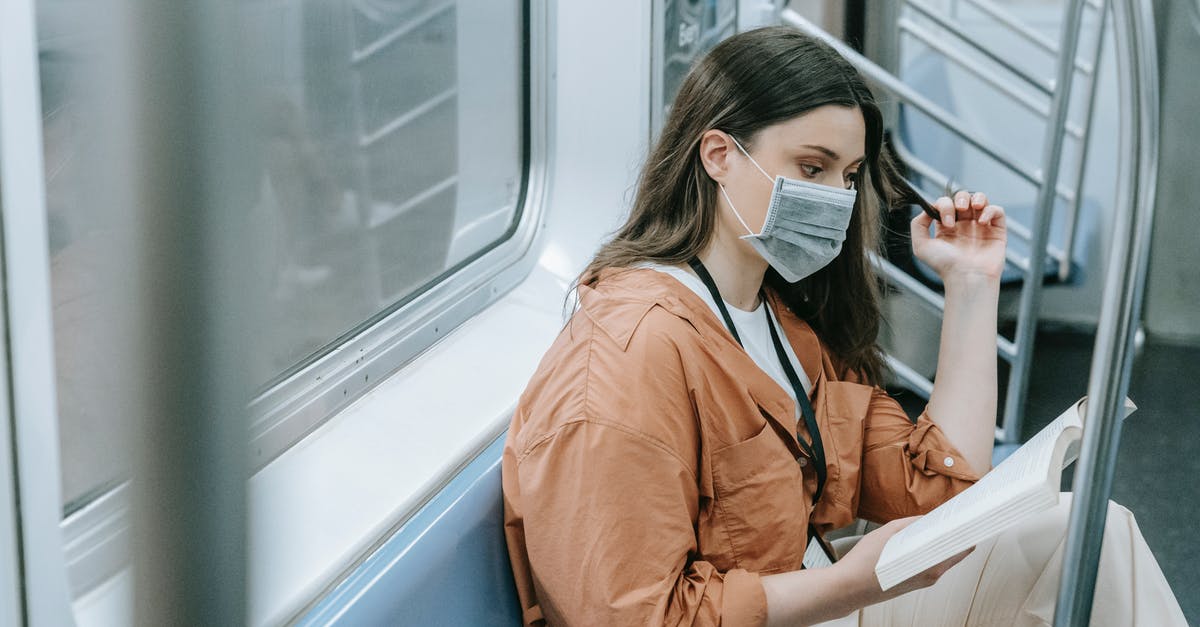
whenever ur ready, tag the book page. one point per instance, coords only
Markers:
(1013, 482)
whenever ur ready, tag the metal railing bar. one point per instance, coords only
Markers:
(1123, 295)
(1034, 106)
(408, 116)
(924, 169)
(374, 47)
(1031, 289)
(1006, 348)
(1018, 260)
(1016, 25)
(1020, 230)
(1072, 218)
(898, 88)
(920, 7)
(915, 380)
(934, 300)
(907, 282)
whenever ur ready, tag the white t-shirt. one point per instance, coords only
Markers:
(752, 329)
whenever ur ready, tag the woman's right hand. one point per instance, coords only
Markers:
(859, 565)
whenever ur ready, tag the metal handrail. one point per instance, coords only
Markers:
(921, 167)
(1031, 290)
(1124, 290)
(898, 88)
(1073, 205)
(1030, 35)
(1015, 25)
(975, 68)
(1045, 179)
(933, 16)
(906, 281)
(1074, 198)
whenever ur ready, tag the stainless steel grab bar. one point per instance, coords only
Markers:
(1031, 292)
(933, 16)
(1064, 264)
(926, 170)
(976, 69)
(1030, 35)
(1048, 188)
(1124, 289)
(895, 86)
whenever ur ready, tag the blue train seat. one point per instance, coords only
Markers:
(448, 564)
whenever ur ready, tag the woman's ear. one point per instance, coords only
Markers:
(715, 149)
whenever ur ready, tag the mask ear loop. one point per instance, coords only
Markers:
(737, 215)
(764, 172)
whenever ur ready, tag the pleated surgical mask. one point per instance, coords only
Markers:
(805, 226)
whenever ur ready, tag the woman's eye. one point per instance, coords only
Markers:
(810, 170)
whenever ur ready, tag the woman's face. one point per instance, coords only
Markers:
(824, 146)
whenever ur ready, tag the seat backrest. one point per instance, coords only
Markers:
(448, 565)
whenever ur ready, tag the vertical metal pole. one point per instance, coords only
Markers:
(1031, 292)
(1064, 265)
(30, 386)
(1124, 288)
(181, 105)
(881, 43)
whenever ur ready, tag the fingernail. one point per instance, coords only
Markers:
(960, 202)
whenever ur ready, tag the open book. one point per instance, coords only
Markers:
(1022, 485)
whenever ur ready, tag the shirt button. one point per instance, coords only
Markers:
(803, 462)
(949, 462)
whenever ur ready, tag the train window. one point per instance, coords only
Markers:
(392, 152)
(389, 139)
(91, 430)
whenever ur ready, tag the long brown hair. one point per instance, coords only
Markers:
(746, 83)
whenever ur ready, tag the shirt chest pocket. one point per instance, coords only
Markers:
(760, 501)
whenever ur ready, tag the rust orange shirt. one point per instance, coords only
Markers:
(651, 472)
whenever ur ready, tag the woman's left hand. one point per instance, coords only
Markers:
(968, 241)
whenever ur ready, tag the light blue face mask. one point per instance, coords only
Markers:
(805, 226)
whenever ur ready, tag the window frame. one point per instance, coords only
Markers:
(31, 566)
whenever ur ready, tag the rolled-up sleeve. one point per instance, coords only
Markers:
(609, 517)
(907, 469)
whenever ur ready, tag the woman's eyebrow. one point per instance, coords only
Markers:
(829, 153)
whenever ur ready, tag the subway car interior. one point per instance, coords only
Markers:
(276, 273)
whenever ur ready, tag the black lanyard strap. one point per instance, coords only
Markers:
(702, 272)
(815, 449)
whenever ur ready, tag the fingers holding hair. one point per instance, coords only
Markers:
(946, 209)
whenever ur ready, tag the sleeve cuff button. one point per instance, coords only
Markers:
(949, 462)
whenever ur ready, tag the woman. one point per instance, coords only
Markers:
(713, 406)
